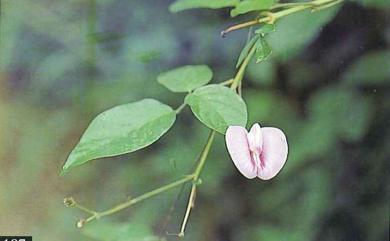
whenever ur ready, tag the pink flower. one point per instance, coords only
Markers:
(260, 153)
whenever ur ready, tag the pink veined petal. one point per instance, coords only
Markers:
(255, 138)
(274, 154)
(237, 145)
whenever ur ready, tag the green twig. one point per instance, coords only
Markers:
(240, 74)
(227, 82)
(180, 108)
(273, 16)
(97, 215)
(198, 170)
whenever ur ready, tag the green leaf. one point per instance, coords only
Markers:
(263, 50)
(371, 69)
(218, 107)
(251, 5)
(186, 78)
(181, 5)
(246, 49)
(122, 129)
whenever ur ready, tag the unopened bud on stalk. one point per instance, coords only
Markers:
(80, 223)
(69, 202)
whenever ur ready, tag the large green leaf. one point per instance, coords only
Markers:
(122, 129)
(181, 5)
(186, 78)
(251, 5)
(371, 69)
(218, 107)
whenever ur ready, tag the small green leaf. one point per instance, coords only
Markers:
(186, 78)
(218, 107)
(263, 50)
(181, 5)
(265, 29)
(251, 5)
(246, 49)
(371, 69)
(122, 129)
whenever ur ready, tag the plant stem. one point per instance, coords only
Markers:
(139, 198)
(190, 205)
(273, 16)
(180, 108)
(85, 209)
(286, 5)
(198, 170)
(204, 155)
(227, 82)
(240, 74)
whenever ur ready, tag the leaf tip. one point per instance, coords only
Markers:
(64, 171)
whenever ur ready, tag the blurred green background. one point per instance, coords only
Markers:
(327, 85)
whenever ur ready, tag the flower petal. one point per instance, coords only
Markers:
(274, 154)
(255, 138)
(237, 145)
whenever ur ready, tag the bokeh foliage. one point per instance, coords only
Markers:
(326, 85)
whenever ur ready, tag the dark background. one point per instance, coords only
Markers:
(326, 85)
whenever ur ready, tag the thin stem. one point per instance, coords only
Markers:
(240, 74)
(204, 155)
(287, 5)
(190, 205)
(85, 209)
(180, 108)
(133, 201)
(227, 82)
(198, 170)
(326, 5)
(244, 25)
(273, 16)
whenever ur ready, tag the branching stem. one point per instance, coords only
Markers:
(291, 8)
(199, 167)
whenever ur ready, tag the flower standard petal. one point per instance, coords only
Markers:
(274, 153)
(255, 138)
(238, 147)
